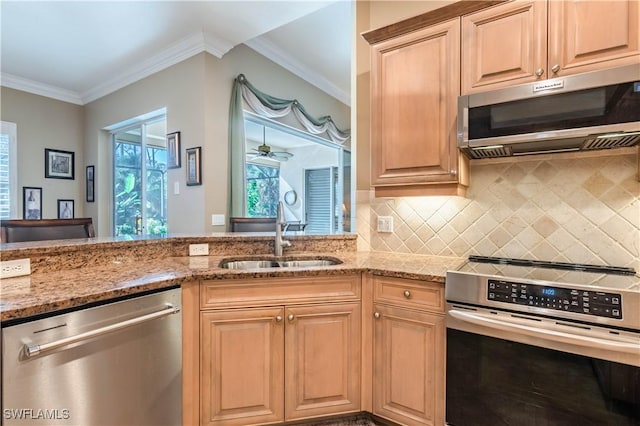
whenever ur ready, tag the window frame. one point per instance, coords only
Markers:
(11, 129)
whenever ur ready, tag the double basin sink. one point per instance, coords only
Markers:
(272, 262)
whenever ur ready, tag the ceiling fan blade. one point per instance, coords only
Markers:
(281, 155)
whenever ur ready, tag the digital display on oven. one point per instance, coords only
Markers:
(587, 302)
(549, 291)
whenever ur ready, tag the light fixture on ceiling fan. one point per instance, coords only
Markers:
(264, 150)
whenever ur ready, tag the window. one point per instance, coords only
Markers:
(8, 171)
(263, 190)
(140, 178)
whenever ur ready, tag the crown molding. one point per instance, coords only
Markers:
(280, 57)
(30, 86)
(175, 53)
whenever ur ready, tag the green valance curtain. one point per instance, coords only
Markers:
(267, 106)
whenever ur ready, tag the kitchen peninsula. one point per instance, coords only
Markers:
(329, 300)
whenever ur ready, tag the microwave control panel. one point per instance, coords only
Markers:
(587, 302)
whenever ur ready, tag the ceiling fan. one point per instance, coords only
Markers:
(264, 150)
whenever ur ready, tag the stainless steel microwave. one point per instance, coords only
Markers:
(594, 110)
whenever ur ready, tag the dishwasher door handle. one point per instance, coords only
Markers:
(31, 350)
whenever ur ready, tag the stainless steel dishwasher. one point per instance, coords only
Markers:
(118, 363)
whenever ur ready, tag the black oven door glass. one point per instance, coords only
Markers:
(495, 382)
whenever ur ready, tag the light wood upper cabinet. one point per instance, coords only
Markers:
(504, 45)
(414, 90)
(524, 41)
(592, 35)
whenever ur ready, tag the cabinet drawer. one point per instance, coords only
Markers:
(409, 293)
(270, 291)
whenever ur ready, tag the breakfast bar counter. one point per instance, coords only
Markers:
(100, 270)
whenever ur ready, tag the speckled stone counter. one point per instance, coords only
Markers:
(102, 277)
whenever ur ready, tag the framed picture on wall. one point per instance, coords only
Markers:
(65, 209)
(31, 202)
(173, 150)
(58, 164)
(90, 184)
(194, 169)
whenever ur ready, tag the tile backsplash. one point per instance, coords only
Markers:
(583, 209)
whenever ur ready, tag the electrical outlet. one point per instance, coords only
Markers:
(198, 249)
(15, 268)
(385, 224)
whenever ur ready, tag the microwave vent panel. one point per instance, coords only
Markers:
(502, 151)
(605, 143)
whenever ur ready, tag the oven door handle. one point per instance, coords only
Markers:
(555, 335)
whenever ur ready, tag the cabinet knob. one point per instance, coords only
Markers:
(278, 318)
(555, 68)
(291, 317)
(539, 72)
(407, 294)
(376, 315)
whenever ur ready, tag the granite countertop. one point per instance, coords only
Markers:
(44, 292)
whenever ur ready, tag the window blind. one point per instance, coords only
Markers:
(318, 200)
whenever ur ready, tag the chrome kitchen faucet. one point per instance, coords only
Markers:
(280, 221)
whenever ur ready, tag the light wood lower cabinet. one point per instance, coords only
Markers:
(408, 351)
(242, 366)
(261, 365)
(322, 360)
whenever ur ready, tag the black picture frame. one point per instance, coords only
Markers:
(194, 166)
(31, 202)
(59, 164)
(66, 209)
(173, 150)
(90, 177)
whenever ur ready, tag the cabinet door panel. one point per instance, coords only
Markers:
(408, 366)
(242, 366)
(415, 84)
(504, 45)
(322, 366)
(591, 35)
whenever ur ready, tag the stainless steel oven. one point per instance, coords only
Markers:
(533, 343)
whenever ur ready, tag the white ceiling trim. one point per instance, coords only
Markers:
(175, 53)
(280, 57)
(30, 86)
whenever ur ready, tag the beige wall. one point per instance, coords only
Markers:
(196, 93)
(46, 123)
(179, 89)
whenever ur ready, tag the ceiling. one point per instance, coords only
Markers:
(79, 51)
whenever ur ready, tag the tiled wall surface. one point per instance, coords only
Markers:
(574, 209)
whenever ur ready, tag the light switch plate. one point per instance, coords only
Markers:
(217, 220)
(385, 224)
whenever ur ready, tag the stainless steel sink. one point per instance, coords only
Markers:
(248, 264)
(278, 263)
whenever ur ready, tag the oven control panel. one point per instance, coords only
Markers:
(588, 302)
